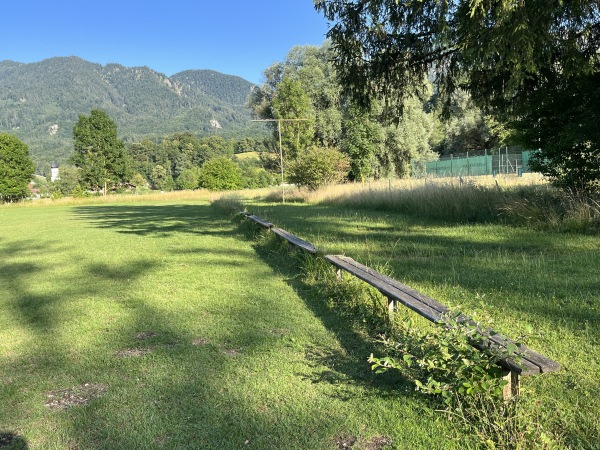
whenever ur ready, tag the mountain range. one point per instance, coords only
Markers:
(41, 102)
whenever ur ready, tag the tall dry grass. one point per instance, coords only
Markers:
(525, 201)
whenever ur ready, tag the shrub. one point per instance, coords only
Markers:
(189, 179)
(220, 174)
(317, 167)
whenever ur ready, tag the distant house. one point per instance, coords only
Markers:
(54, 172)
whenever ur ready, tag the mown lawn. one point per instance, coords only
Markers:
(519, 276)
(163, 325)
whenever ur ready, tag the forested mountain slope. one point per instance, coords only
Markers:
(40, 102)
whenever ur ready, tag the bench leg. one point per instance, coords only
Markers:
(512, 389)
(392, 307)
(338, 274)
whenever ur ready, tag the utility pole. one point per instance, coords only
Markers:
(280, 147)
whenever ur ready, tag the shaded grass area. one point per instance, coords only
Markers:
(519, 276)
(158, 325)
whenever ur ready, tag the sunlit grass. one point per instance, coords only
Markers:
(190, 335)
(520, 277)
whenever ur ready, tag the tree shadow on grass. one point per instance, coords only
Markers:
(349, 365)
(159, 220)
(177, 394)
(12, 441)
(429, 256)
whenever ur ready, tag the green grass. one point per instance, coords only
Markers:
(519, 276)
(238, 353)
(242, 351)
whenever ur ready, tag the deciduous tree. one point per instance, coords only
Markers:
(99, 152)
(16, 168)
(220, 174)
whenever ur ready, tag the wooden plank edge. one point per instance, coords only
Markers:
(294, 240)
(259, 221)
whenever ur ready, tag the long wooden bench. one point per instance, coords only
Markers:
(292, 239)
(531, 363)
(295, 240)
(258, 220)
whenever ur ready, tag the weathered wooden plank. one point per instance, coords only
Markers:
(294, 240)
(257, 219)
(530, 362)
(370, 277)
(260, 221)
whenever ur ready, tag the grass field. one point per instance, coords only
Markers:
(165, 324)
(157, 325)
(519, 276)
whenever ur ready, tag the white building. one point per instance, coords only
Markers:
(54, 172)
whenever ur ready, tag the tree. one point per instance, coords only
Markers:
(308, 70)
(467, 128)
(317, 167)
(189, 179)
(220, 174)
(161, 178)
(411, 138)
(506, 54)
(567, 133)
(69, 181)
(16, 168)
(361, 141)
(99, 153)
(293, 104)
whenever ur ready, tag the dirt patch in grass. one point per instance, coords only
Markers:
(345, 441)
(133, 352)
(200, 341)
(76, 396)
(377, 443)
(232, 351)
(146, 335)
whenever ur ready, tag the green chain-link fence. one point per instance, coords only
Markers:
(502, 163)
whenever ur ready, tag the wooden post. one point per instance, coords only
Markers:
(512, 389)
(392, 307)
(338, 274)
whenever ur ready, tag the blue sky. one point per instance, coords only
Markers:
(236, 37)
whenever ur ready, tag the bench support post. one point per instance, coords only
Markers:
(338, 274)
(392, 307)
(512, 389)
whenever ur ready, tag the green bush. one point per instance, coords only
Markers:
(220, 174)
(189, 179)
(317, 167)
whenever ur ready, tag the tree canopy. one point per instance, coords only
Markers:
(99, 152)
(16, 168)
(515, 58)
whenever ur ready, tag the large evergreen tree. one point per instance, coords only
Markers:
(16, 168)
(516, 58)
(99, 152)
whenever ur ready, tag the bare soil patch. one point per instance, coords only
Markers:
(200, 341)
(377, 443)
(345, 441)
(133, 352)
(75, 396)
(146, 335)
